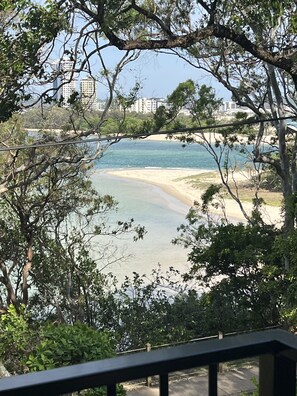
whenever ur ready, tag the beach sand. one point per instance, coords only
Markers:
(174, 182)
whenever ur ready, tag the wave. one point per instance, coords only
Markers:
(169, 168)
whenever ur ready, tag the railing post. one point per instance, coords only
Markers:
(221, 365)
(112, 390)
(277, 376)
(163, 387)
(148, 379)
(213, 380)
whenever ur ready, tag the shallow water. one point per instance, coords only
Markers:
(147, 204)
(153, 208)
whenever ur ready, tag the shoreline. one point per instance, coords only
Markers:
(175, 183)
(166, 179)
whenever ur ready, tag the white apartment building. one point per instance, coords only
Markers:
(88, 92)
(150, 105)
(147, 105)
(65, 82)
(231, 107)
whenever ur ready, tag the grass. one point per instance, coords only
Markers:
(245, 189)
(200, 181)
(270, 198)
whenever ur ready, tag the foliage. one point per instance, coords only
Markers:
(25, 347)
(26, 28)
(181, 96)
(15, 339)
(242, 264)
(51, 222)
(85, 293)
(170, 310)
(271, 181)
(65, 345)
(246, 46)
(141, 311)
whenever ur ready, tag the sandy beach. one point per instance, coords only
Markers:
(174, 182)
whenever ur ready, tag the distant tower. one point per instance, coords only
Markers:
(57, 80)
(88, 92)
(65, 82)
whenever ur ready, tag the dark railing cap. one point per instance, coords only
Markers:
(139, 365)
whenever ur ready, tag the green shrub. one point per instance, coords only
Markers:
(64, 345)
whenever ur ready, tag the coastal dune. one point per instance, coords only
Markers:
(177, 183)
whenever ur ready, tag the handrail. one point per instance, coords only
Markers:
(192, 340)
(271, 343)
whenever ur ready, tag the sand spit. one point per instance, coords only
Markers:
(176, 183)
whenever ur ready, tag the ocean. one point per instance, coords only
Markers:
(148, 205)
(155, 154)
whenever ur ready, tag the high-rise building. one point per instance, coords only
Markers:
(88, 92)
(65, 82)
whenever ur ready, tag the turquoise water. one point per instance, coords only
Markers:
(147, 204)
(162, 154)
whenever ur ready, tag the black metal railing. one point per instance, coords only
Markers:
(276, 349)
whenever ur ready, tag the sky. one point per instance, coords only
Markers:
(160, 74)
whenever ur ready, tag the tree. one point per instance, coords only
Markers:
(33, 179)
(267, 92)
(34, 38)
(27, 28)
(148, 303)
(224, 33)
(252, 57)
(154, 25)
(242, 265)
(48, 226)
(240, 260)
(34, 348)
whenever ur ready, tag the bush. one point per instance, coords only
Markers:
(64, 345)
(24, 348)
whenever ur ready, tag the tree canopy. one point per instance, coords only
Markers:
(254, 58)
(51, 214)
(27, 28)
(154, 25)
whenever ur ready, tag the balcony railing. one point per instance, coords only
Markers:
(276, 349)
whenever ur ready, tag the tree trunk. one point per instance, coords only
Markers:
(285, 164)
(5, 280)
(26, 270)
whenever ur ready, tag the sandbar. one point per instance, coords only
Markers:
(176, 183)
